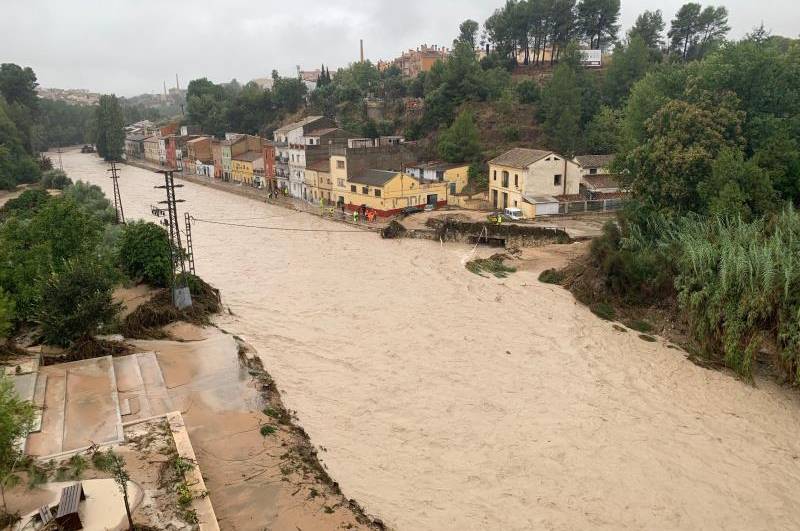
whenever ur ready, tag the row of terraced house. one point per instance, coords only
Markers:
(316, 161)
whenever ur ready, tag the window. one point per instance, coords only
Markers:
(556, 159)
(515, 202)
(340, 164)
(495, 175)
(505, 179)
(516, 180)
(353, 188)
(340, 183)
(557, 180)
(547, 159)
(592, 171)
(377, 193)
(365, 190)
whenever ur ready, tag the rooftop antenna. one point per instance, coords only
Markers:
(362, 50)
(177, 85)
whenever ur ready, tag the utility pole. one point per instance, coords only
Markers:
(181, 297)
(189, 247)
(117, 197)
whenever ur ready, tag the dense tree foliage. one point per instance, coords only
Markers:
(695, 31)
(63, 124)
(110, 128)
(16, 421)
(461, 141)
(709, 151)
(144, 253)
(76, 301)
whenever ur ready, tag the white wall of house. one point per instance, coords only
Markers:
(552, 176)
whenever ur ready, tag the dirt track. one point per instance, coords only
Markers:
(444, 400)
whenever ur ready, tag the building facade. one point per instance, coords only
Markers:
(524, 178)
(454, 174)
(389, 192)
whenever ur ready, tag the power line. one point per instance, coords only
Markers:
(181, 297)
(286, 229)
(117, 197)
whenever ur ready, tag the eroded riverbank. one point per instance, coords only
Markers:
(447, 400)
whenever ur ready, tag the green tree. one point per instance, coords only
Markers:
(598, 21)
(144, 253)
(90, 198)
(26, 205)
(18, 85)
(16, 164)
(461, 141)
(683, 140)
(289, 94)
(602, 135)
(55, 180)
(30, 249)
(630, 64)
(6, 315)
(649, 26)
(528, 91)
(468, 31)
(76, 302)
(561, 109)
(16, 421)
(110, 128)
(737, 187)
(694, 30)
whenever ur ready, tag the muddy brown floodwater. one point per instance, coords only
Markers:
(444, 400)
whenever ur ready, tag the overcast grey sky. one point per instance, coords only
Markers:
(132, 46)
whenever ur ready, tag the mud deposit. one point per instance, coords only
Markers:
(445, 400)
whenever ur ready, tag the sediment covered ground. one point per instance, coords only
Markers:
(444, 400)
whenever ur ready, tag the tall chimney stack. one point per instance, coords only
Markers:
(362, 50)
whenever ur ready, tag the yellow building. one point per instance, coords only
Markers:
(244, 166)
(532, 180)
(455, 174)
(318, 182)
(388, 192)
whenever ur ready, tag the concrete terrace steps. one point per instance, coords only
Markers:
(141, 387)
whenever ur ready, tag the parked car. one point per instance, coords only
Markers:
(407, 211)
(513, 214)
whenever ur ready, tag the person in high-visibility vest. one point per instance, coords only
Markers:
(355, 216)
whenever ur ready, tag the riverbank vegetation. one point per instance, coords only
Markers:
(710, 152)
(62, 256)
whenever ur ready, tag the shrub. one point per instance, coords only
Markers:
(55, 180)
(493, 265)
(28, 203)
(144, 253)
(603, 310)
(266, 429)
(551, 276)
(528, 91)
(76, 302)
(6, 315)
(511, 133)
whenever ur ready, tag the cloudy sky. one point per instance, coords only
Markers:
(133, 46)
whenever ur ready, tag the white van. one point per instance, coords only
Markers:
(514, 214)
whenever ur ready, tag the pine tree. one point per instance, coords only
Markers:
(461, 141)
(561, 106)
(110, 128)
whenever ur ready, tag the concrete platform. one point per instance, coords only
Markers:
(80, 407)
(141, 388)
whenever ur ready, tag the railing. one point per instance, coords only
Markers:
(590, 206)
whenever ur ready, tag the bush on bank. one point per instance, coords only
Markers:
(144, 253)
(735, 282)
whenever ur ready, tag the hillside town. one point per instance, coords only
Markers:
(543, 276)
(316, 161)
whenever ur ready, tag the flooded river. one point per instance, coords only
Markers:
(444, 400)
